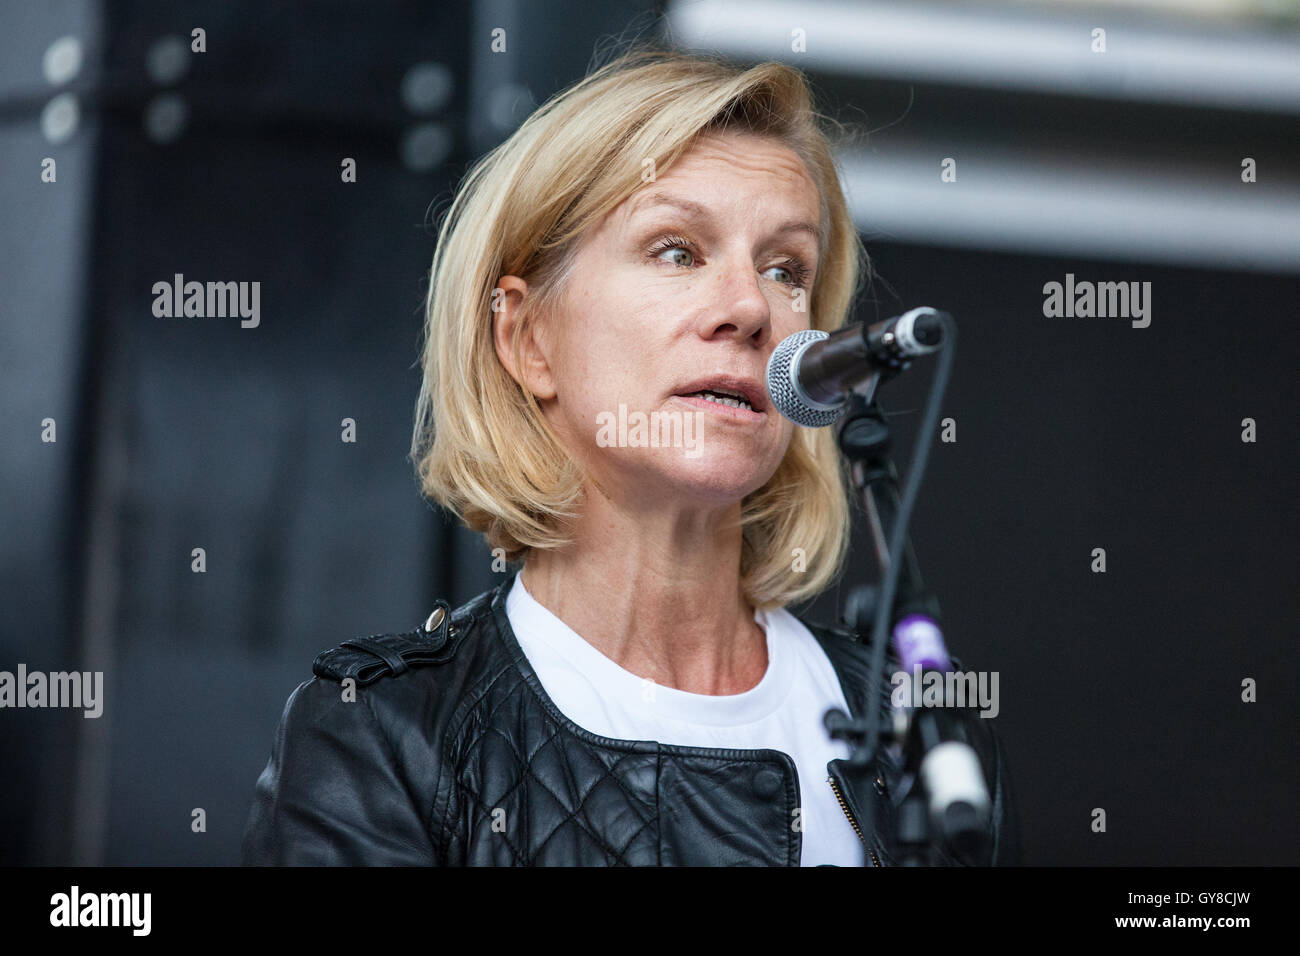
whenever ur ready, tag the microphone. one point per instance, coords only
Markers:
(811, 372)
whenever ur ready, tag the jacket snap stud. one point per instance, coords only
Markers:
(435, 619)
(767, 783)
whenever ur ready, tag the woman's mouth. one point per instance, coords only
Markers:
(725, 404)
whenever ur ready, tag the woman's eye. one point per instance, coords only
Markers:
(796, 274)
(678, 255)
(677, 251)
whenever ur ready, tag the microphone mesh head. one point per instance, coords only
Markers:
(789, 401)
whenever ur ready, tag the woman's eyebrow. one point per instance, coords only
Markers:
(656, 199)
(697, 211)
(799, 226)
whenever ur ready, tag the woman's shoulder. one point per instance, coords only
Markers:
(822, 630)
(381, 682)
(374, 713)
(415, 662)
(365, 660)
(841, 642)
(369, 685)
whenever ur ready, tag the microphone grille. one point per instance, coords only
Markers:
(783, 391)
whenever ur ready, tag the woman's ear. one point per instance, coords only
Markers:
(534, 370)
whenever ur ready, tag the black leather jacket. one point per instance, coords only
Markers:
(451, 753)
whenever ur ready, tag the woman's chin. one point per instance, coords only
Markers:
(720, 478)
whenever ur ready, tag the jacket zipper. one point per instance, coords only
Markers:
(854, 823)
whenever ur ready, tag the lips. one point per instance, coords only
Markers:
(748, 389)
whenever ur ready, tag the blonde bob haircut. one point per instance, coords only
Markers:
(481, 445)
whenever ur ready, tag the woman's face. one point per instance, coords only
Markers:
(689, 283)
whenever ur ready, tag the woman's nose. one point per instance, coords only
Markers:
(742, 308)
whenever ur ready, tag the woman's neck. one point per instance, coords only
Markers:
(659, 594)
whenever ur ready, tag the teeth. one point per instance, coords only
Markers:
(721, 399)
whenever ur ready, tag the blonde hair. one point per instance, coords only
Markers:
(481, 446)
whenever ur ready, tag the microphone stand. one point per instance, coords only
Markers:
(864, 439)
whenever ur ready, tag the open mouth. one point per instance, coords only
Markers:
(732, 399)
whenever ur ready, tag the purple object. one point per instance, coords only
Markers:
(919, 643)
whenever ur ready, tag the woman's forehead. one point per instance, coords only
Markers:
(741, 153)
(762, 174)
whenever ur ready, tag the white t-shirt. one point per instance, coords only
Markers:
(782, 712)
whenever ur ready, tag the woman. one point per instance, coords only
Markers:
(608, 286)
